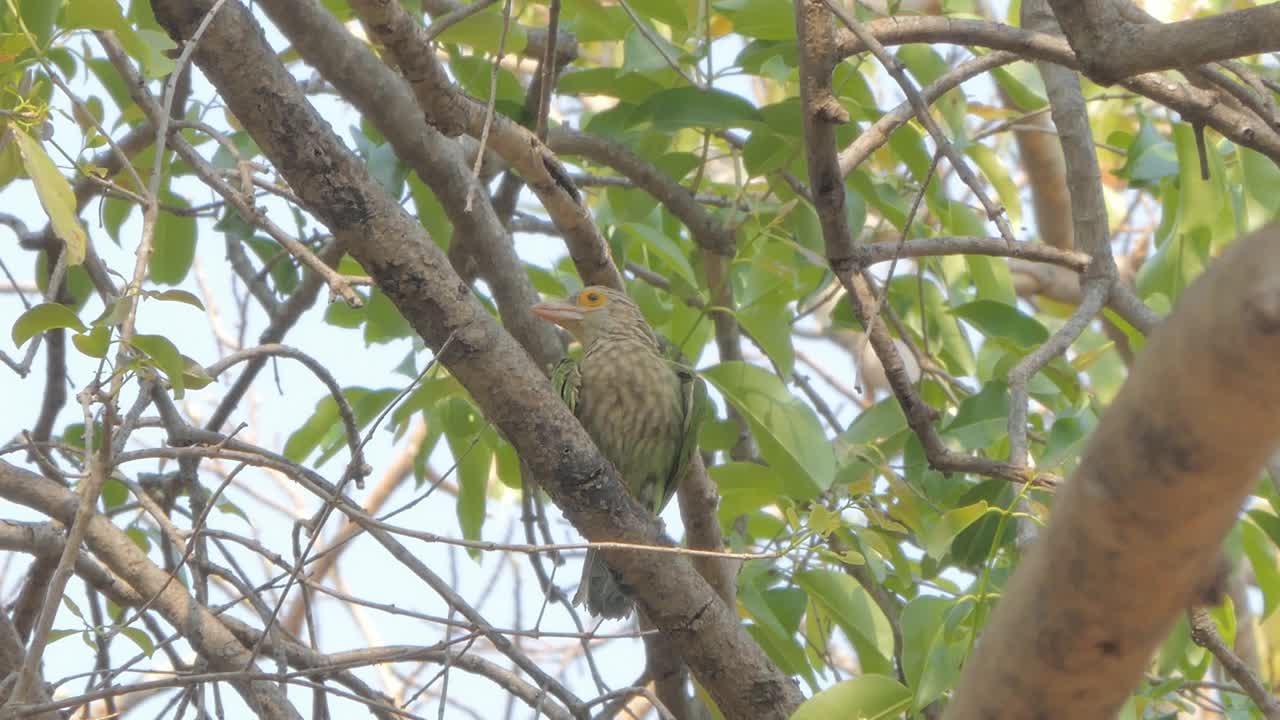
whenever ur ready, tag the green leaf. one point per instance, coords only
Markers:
(56, 635)
(114, 494)
(114, 213)
(384, 322)
(1024, 98)
(658, 243)
(690, 107)
(139, 638)
(139, 537)
(862, 621)
(592, 21)
(366, 405)
(931, 664)
(181, 296)
(937, 536)
(670, 12)
(175, 243)
(93, 343)
(762, 19)
(164, 354)
(866, 697)
(1201, 203)
(744, 487)
(1151, 157)
(55, 195)
(1269, 523)
(982, 418)
(770, 628)
(279, 264)
(73, 607)
(877, 423)
(44, 317)
(991, 279)
(465, 432)
(1066, 439)
(193, 374)
(1261, 554)
(38, 16)
(770, 325)
(145, 45)
(1261, 178)
(790, 437)
(999, 320)
(229, 508)
(483, 30)
(94, 15)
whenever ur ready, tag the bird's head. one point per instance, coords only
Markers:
(593, 313)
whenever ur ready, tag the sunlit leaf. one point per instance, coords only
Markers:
(790, 437)
(866, 697)
(857, 614)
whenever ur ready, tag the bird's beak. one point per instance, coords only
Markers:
(566, 315)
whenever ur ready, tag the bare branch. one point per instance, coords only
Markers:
(118, 552)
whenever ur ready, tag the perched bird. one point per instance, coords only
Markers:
(640, 404)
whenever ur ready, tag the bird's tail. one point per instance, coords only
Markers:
(600, 589)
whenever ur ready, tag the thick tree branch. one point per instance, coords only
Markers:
(383, 96)
(1111, 47)
(506, 384)
(453, 113)
(1138, 525)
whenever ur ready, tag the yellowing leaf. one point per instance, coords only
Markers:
(720, 25)
(55, 195)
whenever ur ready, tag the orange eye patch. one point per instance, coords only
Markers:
(592, 299)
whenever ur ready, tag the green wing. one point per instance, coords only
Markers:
(694, 402)
(566, 378)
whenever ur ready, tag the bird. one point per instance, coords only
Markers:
(639, 401)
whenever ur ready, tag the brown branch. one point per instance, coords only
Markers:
(1205, 634)
(1089, 228)
(130, 563)
(303, 658)
(453, 113)
(704, 227)
(400, 467)
(13, 656)
(1110, 47)
(1158, 487)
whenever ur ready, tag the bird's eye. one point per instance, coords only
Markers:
(592, 299)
